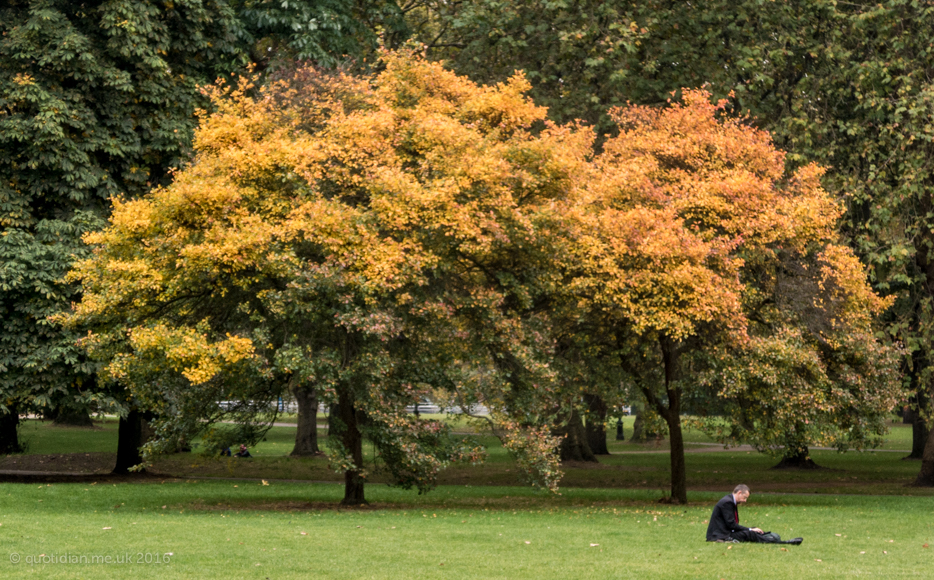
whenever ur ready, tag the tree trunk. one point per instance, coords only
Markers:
(926, 477)
(146, 432)
(129, 439)
(919, 435)
(574, 444)
(672, 416)
(72, 417)
(9, 437)
(306, 436)
(352, 439)
(914, 414)
(596, 425)
(679, 483)
(334, 413)
(641, 432)
(797, 457)
(638, 429)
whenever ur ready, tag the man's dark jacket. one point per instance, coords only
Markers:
(723, 520)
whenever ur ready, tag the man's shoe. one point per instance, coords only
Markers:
(795, 541)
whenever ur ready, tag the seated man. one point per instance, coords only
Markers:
(724, 522)
(243, 452)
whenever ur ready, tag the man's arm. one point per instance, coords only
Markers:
(729, 516)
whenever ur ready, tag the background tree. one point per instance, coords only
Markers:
(328, 33)
(96, 100)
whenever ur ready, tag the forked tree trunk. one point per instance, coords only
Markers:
(574, 445)
(129, 440)
(352, 439)
(306, 435)
(926, 477)
(9, 437)
(596, 424)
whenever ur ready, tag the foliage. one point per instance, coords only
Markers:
(359, 236)
(575, 54)
(96, 100)
(842, 84)
(690, 242)
(327, 32)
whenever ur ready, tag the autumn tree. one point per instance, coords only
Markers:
(845, 85)
(368, 238)
(684, 246)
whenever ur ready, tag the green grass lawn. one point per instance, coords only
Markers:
(41, 437)
(857, 517)
(631, 465)
(292, 530)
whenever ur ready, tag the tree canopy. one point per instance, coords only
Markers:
(709, 267)
(845, 85)
(373, 237)
(96, 100)
(370, 237)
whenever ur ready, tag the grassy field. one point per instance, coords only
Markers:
(202, 517)
(41, 437)
(211, 529)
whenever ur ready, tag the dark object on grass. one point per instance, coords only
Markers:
(71, 417)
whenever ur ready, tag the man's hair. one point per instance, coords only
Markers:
(741, 488)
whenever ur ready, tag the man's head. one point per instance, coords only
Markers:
(741, 493)
(242, 447)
